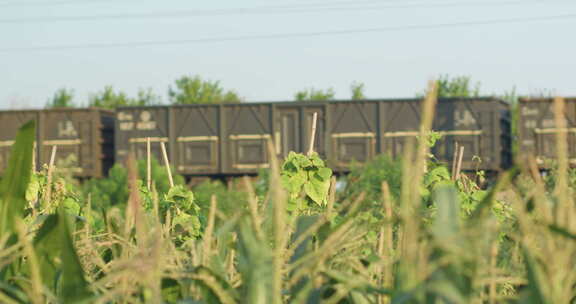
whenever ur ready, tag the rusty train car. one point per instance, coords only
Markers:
(537, 130)
(232, 139)
(84, 137)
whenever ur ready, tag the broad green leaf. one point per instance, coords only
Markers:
(317, 191)
(447, 223)
(33, 189)
(325, 173)
(16, 178)
(436, 175)
(293, 183)
(59, 264)
(316, 160)
(181, 198)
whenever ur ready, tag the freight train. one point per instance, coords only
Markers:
(232, 139)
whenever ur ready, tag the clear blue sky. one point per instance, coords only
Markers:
(528, 55)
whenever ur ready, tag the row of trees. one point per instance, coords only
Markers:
(195, 90)
(186, 90)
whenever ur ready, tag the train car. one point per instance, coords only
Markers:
(537, 130)
(232, 139)
(360, 129)
(84, 137)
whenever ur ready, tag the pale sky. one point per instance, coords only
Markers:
(256, 47)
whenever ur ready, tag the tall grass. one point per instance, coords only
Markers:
(428, 238)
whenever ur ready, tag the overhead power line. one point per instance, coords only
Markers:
(17, 3)
(258, 11)
(288, 35)
(51, 3)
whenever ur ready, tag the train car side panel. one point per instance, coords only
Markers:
(537, 130)
(11, 121)
(73, 133)
(399, 124)
(353, 132)
(247, 130)
(134, 125)
(197, 139)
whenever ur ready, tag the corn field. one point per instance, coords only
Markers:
(437, 237)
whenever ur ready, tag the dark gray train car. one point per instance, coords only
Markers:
(134, 125)
(225, 139)
(10, 122)
(232, 139)
(481, 125)
(84, 137)
(537, 130)
(361, 129)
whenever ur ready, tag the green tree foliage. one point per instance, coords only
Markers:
(457, 86)
(146, 97)
(63, 98)
(357, 89)
(312, 94)
(110, 99)
(195, 90)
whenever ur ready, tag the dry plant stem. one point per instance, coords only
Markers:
(34, 158)
(312, 134)
(155, 202)
(88, 210)
(380, 274)
(563, 208)
(331, 197)
(411, 270)
(454, 161)
(253, 206)
(49, 176)
(167, 164)
(230, 261)
(36, 278)
(134, 217)
(207, 241)
(493, 268)
(389, 235)
(459, 164)
(428, 108)
(278, 198)
(148, 165)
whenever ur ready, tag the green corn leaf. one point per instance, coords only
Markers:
(447, 223)
(255, 265)
(534, 292)
(59, 264)
(301, 289)
(74, 286)
(562, 231)
(15, 181)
